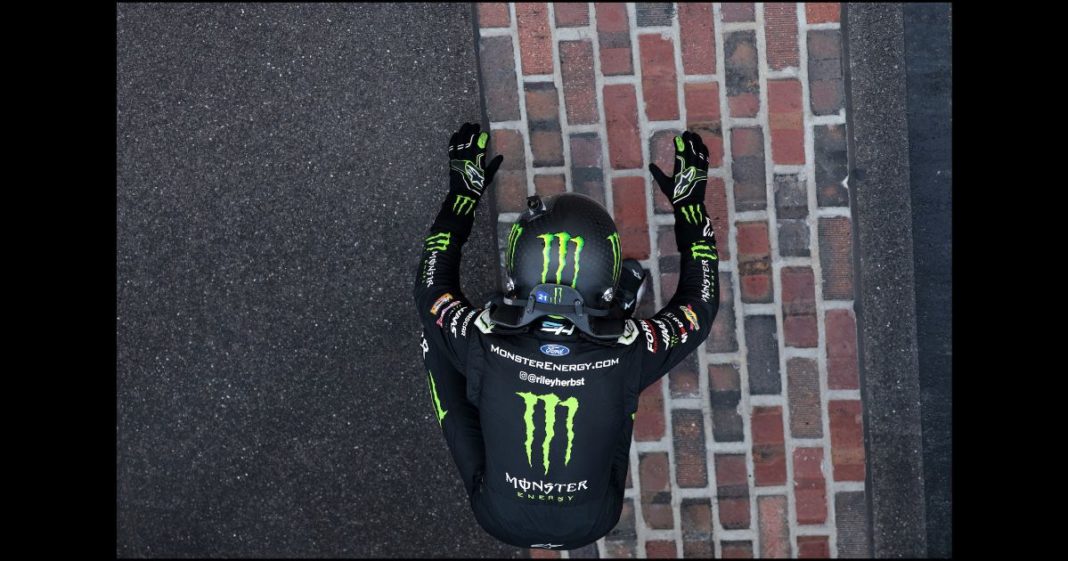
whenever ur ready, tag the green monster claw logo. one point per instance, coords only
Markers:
(701, 250)
(562, 251)
(686, 179)
(434, 394)
(551, 402)
(463, 205)
(692, 214)
(617, 261)
(513, 237)
(438, 242)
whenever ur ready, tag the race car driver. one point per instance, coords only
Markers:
(535, 391)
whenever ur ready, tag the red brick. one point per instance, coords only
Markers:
(742, 73)
(747, 141)
(780, 29)
(769, 446)
(571, 14)
(546, 185)
(836, 257)
(498, 70)
(613, 34)
(826, 85)
(628, 198)
(539, 553)
(688, 435)
(822, 12)
(774, 530)
(660, 549)
(702, 101)
(697, 31)
(666, 244)
(511, 179)
(732, 491)
(803, 385)
(799, 307)
(493, 14)
(587, 175)
(722, 338)
(737, 11)
(620, 549)
(683, 380)
(716, 206)
(620, 540)
(810, 487)
(621, 116)
(847, 439)
(576, 71)
(659, 82)
(695, 517)
(649, 421)
(737, 549)
(655, 475)
(841, 350)
(535, 39)
(754, 261)
(813, 547)
(786, 121)
(543, 104)
(547, 147)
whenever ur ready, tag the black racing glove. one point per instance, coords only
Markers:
(687, 185)
(468, 174)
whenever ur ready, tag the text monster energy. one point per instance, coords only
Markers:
(562, 250)
(701, 250)
(616, 255)
(513, 237)
(438, 242)
(551, 402)
(463, 205)
(692, 213)
(434, 394)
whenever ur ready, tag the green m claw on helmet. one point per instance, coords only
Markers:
(482, 138)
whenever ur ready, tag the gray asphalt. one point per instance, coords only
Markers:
(278, 166)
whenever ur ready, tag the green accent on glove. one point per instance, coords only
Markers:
(679, 146)
(482, 138)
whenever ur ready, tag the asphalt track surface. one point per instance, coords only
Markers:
(278, 166)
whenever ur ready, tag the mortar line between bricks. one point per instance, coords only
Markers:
(745, 121)
(587, 128)
(572, 33)
(833, 212)
(785, 73)
(838, 305)
(836, 119)
(699, 79)
(843, 394)
(799, 352)
(505, 125)
(818, 26)
(732, 26)
(797, 261)
(776, 266)
(669, 411)
(762, 309)
(537, 78)
(643, 137)
(786, 168)
(508, 217)
(621, 79)
(826, 466)
(848, 486)
(727, 125)
(751, 216)
(652, 445)
(495, 32)
(561, 111)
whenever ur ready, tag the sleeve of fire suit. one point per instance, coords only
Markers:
(684, 323)
(445, 313)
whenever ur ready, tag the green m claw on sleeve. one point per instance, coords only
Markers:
(482, 138)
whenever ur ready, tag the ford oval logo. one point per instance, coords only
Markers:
(555, 350)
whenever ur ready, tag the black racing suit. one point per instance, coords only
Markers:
(542, 438)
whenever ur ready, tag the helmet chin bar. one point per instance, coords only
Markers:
(555, 299)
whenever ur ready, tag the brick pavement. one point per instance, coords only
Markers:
(753, 446)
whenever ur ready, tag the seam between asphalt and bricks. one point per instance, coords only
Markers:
(654, 221)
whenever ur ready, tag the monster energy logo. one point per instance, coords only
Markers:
(692, 214)
(563, 238)
(616, 255)
(701, 250)
(513, 237)
(463, 205)
(551, 402)
(438, 242)
(434, 394)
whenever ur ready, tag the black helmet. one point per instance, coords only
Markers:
(563, 258)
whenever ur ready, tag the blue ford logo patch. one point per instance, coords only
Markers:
(555, 350)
